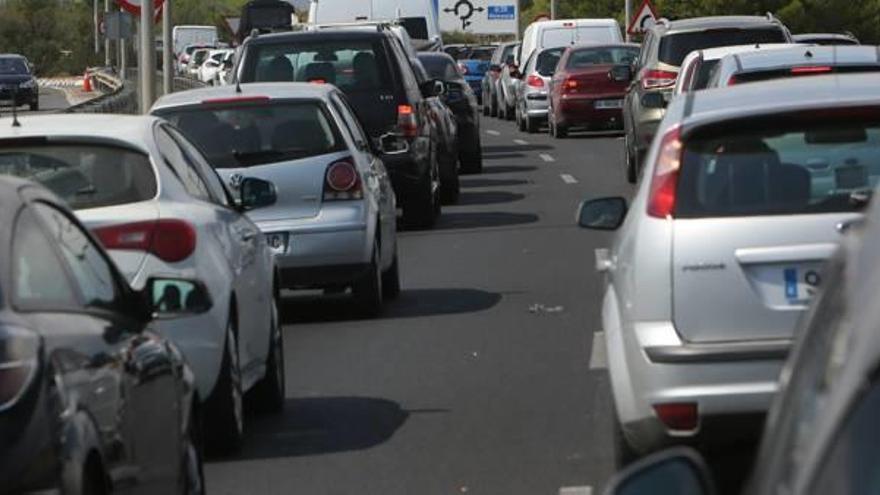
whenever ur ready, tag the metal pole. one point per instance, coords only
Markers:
(553, 9)
(147, 68)
(95, 19)
(107, 47)
(167, 50)
(628, 17)
(122, 55)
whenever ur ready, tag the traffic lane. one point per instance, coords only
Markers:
(51, 100)
(478, 378)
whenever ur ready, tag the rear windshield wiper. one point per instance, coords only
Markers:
(861, 198)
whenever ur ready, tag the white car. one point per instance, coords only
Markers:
(160, 209)
(698, 66)
(212, 65)
(335, 223)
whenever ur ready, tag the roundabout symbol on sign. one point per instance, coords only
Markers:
(464, 10)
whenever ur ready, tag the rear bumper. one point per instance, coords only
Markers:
(22, 96)
(581, 110)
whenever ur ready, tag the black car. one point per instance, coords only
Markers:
(92, 400)
(460, 98)
(373, 70)
(18, 85)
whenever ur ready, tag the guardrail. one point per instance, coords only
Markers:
(120, 95)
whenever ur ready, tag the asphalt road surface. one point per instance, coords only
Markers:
(482, 377)
(51, 100)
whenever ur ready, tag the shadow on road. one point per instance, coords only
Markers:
(488, 198)
(411, 303)
(509, 169)
(468, 183)
(322, 425)
(478, 220)
(503, 156)
(517, 148)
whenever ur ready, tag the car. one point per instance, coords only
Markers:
(821, 434)
(556, 33)
(420, 18)
(841, 39)
(199, 56)
(474, 70)
(505, 91)
(698, 67)
(746, 193)
(224, 72)
(460, 99)
(447, 134)
(797, 61)
(373, 70)
(503, 56)
(212, 65)
(335, 222)
(653, 75)
(18, 86)
(584, 93)
(93, 400)
(185, 56)
(532, 92)
(156, 205)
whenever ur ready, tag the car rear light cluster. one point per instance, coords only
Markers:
(664, 183)
(169, 240)
(654, 79)
(407, 121)
(342, 182)
(810, 70)
(535, 81)
(570, 85)
(19, 352)
(682, 417)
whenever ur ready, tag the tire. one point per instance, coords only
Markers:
(450, 186)
(508, 112)
(559, 131)
(531, 125)
(224, 409)
(631, 175)
(391, 279)
(419, 212)
(94, 481)
(192, 481)
(624, 454)
(268, 395)
(472, 162)
(520, 121)
(35, 105)
(367, 291)
(493, 107)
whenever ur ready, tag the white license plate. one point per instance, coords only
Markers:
(609, 104)
(801, 283)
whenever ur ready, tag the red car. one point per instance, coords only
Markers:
(582, 92)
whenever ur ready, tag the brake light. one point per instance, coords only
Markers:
(535, 81)
(170, 240)
(678, 416)
(317, 81)
(570, 85)
(805, 71)
(342, 182)
(407, 121)
(462, 69)
(658, 79)
(664, 183)
(733, 81)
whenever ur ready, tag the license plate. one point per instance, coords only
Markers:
(609, 104)
(801, 283)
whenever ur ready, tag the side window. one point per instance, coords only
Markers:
(177, 161)
(90, 269)
(38, 277)
(529, 65)
(196, 160)
(348, 116)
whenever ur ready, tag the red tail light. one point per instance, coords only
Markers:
(805, 71)
(733, 81)
(407, 121)
(171, 241)
(342, 182)
(661, 200)
(570, 85)
(535, 81)
(680, 416)
(654, 79)
(462, 69)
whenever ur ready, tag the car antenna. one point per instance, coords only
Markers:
(238, 86)
(15, 122)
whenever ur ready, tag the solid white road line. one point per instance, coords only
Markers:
(576, 490)
(568, 179)
(492, 132)
(598, 355)
(521, 142)
(547, 157)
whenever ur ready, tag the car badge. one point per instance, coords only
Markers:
(235, 180)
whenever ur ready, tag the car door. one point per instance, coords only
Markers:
(125, 377)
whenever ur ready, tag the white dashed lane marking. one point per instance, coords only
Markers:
(492, 132)
(521, 142)
(568, 179)
(576, 490)
(598, 357)
(547, 157)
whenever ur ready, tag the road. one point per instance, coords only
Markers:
(478, 380)
(51, 100)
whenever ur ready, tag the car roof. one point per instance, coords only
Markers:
(11, 55)
(715, 22)
(807, 55)
(825, 36)
(275, 90)
(720, 52)
(134, 131)
(335, 34)
(576, 22)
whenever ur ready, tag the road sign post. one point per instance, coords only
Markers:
(167, 50)
(627, 12)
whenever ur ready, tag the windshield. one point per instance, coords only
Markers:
(353, 66)
(588, 57)
(252, 135)
(778, 169)
(675, 47)
(440, 68)
(84, 176)
(13, 66)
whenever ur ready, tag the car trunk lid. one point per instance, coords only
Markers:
(128, 262)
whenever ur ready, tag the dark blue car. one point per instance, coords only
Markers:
(473, 72)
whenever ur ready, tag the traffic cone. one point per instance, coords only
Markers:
(87, 82)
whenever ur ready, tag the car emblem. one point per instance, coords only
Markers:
(235, 180)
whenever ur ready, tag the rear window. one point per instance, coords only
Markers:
(705, 74)
(440, 68)
(353, 66)
(251, 135)
(85, 176)
(583, 58)
(547, 61)
(767, 75)
(780, 167)
(675, 47)
(484, 54)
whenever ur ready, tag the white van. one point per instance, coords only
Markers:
(565, 32)
(418, 17)
(193, 35)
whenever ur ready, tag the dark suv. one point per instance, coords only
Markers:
(653, 74)
(17, 82)
(373, 70)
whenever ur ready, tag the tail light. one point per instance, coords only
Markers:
(535, 81)
(169, 240)
(407, 121)
(462, 69)
(342, 182)
(678, 416)
(733, 81)
(810, 70)
(654, 79)
(664, 183)
(570, 85)
(19, 351)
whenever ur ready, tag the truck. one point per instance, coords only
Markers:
(418, 17)
(183, 36)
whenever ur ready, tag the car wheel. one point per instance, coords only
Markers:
(419, 210)
(531, 125)
(224, 410)
(520, 121)
(508, 112)
(367, 290)
(391, 279)
(560, 131)
(472, 161)
(493, 108)
(450, 186)
(94, 481)
(631, 176)
(624, 454)
(35, 105)
(192, 480)
(269, 393)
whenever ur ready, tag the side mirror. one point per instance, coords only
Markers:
(673, 472)
(602, 214)
(257, 193)
(621, 73)
(654, 100)
(176, 297)
(393, 144)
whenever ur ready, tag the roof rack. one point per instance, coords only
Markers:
(381, 24)
(771, 17)
(664, 21)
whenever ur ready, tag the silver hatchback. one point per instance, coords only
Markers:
(532, 94)
(745, 195)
